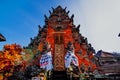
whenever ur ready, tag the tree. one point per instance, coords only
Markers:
(10, 57)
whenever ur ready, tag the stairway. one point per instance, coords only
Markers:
(59, 75)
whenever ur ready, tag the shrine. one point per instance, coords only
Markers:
(58, 31)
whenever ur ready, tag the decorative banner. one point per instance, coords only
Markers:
(70, 58)
(46, 61)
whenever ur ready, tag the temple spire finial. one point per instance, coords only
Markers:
(72, 16)
(65, 8)
(78, 27)
(50, 12)
(68, 12)
(46, 18)
(53, 9)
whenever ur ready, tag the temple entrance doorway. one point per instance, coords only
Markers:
(58, 60)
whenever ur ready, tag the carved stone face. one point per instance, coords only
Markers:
(59, 28)
(75, 35)
(70, 46)
(84, 46)
(46, 46)
(58, 23)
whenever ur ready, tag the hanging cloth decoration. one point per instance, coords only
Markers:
(46, 61)
(70, 58)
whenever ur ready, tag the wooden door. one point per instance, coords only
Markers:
(59, 52)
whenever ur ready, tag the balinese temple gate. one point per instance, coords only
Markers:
(58, 31)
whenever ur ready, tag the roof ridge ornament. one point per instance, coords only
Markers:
(2, 38)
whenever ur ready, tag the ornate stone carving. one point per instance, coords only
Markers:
(59, 57)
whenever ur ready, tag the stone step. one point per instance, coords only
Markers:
(59, 75)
